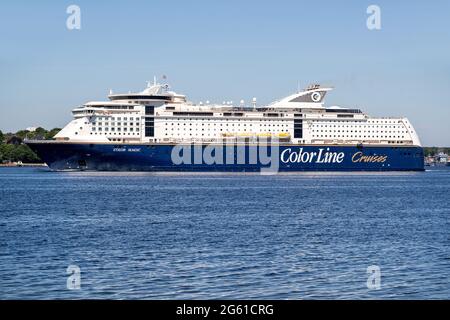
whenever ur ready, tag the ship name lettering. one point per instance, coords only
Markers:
(300, 156)
(360, 157)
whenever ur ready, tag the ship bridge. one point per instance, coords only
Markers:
(155, 92)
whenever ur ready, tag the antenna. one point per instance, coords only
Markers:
(154, 80)
(254, 103)
(110, 92)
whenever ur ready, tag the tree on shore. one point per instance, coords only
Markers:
(21, 134)
(16, 150)
(15, 153)
(433, 151)
(50, 134)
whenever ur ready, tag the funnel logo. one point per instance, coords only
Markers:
(316, 96)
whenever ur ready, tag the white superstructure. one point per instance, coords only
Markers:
(158, 115)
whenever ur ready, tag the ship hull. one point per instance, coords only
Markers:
(220, 158)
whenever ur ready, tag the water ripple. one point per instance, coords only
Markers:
(224, 236)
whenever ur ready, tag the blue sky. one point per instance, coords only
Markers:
(227, 50)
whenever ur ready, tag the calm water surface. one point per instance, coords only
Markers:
(220, 236)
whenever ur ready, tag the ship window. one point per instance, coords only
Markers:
(149, 110)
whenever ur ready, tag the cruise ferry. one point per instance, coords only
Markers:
(160, 130)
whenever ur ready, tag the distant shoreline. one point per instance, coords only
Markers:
(18, 165)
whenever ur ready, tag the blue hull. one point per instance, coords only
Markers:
(160, 157)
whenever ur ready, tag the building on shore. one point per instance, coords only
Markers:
(439, 159)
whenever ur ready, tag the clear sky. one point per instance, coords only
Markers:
(227, 50)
